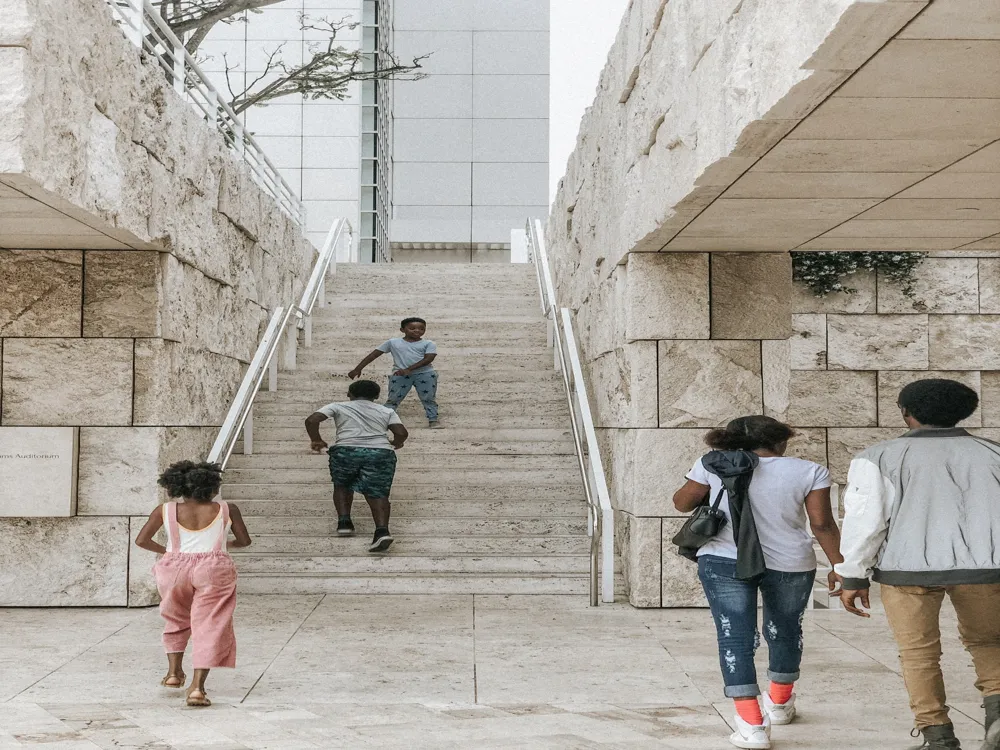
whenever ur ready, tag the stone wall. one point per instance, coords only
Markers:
(142, 346)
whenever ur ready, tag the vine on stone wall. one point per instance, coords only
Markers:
(825, 273)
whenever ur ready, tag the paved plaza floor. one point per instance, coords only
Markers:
(443, 672)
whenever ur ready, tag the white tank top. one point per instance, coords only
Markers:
(212, 538)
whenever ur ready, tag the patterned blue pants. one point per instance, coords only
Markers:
(426, 384)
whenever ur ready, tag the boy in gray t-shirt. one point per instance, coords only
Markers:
(412, 357)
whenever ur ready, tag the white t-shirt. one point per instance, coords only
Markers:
(777, 497)
(361, 423)
(406, 353)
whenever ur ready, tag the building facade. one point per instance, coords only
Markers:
(434, 169)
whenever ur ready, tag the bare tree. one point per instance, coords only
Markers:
(325, 75)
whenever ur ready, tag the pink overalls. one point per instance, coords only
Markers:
(197, 584)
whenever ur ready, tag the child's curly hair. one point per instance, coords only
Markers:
(197, 481)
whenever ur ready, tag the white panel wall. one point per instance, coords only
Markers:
(471, 141)
(315, 144)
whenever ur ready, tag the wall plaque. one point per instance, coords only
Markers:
(38, 471)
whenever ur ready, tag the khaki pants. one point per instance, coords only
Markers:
(913, 613)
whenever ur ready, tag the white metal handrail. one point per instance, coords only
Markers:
(147, 29)
(600, 514)
(265, 360)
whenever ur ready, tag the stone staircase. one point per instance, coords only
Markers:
(492, 503)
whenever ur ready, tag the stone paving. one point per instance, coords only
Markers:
(443, 672)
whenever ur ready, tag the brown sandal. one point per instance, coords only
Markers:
(202, 702)
(181, 678)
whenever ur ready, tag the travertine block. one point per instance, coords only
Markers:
(843, 445)
(121, 296)
(646, 467)
(708, 383)
(624, 386)
(666, 296)
(642, 560)
(943, 285)
(119, 465)
(809, 443)
(38, 470)
(989, 285)
(141, 583)
(965, 342)
(67, 382)
(681, 587)
(877, 342)
(990, 395)
(92, 555)
(40, 292)
(180, 385)
(751, 295)
(808, 342)
(890, 383)
(833, 399)
(776, 372)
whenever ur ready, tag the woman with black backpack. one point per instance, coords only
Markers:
(749, 534)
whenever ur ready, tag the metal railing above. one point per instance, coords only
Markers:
(562, 337)
(145, 28)
(239, 419)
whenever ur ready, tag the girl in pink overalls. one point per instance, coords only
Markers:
(196, 576)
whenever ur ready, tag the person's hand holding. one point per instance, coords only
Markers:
(849, 598)
(355, 373)
(318, 446)
(834, 583)
(402, 373)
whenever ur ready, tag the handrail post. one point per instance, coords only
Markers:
(308, 335)
(178, 68)
(272, 376)
(248, 434)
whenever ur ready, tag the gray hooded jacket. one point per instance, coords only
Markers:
(923, 510)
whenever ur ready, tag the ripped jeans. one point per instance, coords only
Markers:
(734, 609)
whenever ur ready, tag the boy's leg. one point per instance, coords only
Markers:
(399, 386)
(426, 384)
(375, 481)
(913, 613)
(343, 473)
(979, 626)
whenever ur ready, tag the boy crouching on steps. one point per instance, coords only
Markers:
(412, 356)
(362, 458)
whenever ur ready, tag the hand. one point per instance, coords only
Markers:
(834, 583)
(355, 373)
(849, 599)
(318, 446)
(396, 443)
(402, 373)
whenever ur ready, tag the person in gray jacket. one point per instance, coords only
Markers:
(923, 520)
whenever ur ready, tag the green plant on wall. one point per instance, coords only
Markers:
(827, 272)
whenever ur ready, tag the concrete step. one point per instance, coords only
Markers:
(465, 363)
(434, 270)
(384, 327)
(411, 461)
(272, 413)
(335, 546)
(319, 473)
(468, 508)
(326, 380)
(453, 525)
(575, 584)
(394, 564)
(490, 439)
(438, 452)
(430, 493)
(468, 391)
(481, 420)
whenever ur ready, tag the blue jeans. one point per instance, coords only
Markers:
(426, 384)
(734, 609)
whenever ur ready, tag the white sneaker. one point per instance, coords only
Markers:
(751, 737)
(779, 713)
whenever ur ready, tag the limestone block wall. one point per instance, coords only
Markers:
(849, 355)
(141, 342)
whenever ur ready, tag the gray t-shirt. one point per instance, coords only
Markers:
(361, 423)
(406, 353)
(777, 496)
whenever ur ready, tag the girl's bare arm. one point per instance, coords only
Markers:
(148, 531)
(239, 529)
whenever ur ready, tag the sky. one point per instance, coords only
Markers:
(582, 34)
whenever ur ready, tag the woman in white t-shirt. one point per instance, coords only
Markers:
(783, 492)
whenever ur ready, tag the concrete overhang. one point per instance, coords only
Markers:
(902, 154)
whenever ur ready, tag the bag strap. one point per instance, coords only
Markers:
(718, 499)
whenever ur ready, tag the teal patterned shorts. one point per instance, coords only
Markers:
(366, 470)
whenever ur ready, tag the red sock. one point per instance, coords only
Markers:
(780, 693)
(748, 709)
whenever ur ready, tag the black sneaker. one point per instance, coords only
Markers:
(345, 527)
(381, 542)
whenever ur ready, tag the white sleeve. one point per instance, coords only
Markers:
(821, 478)
(431, 347)
(384, 347)
(867, 504)
(699, 474)
(394, 418)
(329, 410)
